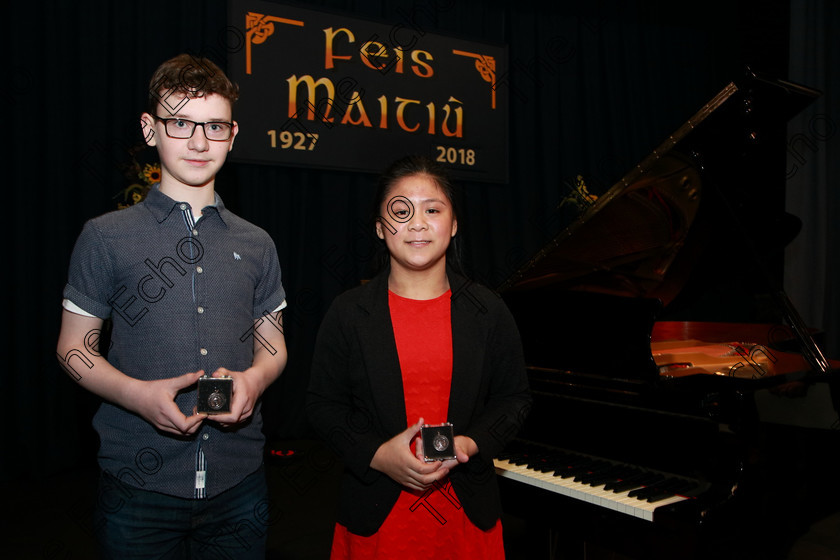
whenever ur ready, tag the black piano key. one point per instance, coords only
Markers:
(593, 467)
(625, 471)
(627, 481)
(572, 471)
(564, 472)
(608, 476)
(520, 460)
(540, 464)
(655, 497)
(654, 493)
(599, 476)
(574, 460)
(645, 494)
(654, 479)
(633, 482)
(572, 467)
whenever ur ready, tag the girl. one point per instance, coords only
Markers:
(418, 344)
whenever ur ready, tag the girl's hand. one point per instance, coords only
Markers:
(394, 458)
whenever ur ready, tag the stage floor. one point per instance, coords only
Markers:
(52, 519)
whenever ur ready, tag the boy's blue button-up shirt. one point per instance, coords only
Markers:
(183, 297)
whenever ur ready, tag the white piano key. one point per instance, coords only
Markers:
(596, 495)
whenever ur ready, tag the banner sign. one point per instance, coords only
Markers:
(330, 91)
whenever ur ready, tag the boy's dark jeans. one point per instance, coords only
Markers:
(135, 523)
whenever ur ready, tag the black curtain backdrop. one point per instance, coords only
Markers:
(594, 88)
(813, 168)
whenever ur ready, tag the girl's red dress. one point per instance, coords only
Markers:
(430, 524)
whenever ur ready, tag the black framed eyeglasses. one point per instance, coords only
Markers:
(218, 131)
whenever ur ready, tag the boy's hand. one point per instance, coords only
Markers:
(249, 385)
(247, 388)
(155, 402)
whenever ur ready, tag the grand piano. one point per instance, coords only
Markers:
(644, 440)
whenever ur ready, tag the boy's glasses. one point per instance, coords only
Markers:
(218, 131)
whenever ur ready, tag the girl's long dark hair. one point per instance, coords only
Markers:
(410, 166)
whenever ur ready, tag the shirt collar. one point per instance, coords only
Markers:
(161, 206)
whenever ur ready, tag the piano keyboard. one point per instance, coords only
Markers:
(623, 488)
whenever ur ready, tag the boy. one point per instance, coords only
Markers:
(192, 290)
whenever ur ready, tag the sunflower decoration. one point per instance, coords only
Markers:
(151, 173)
(143, 178)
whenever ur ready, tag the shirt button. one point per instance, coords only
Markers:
(200, 309)
(205, 437)
(203, 351)
(199, 269)
(195, 232)
(183, 206)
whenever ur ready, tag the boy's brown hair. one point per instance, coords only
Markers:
(191, 76)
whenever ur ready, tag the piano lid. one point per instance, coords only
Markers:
(588, 300)
(625, 241)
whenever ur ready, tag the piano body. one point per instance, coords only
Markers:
(644, 434)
